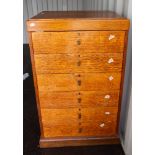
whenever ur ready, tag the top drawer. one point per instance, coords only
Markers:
(79, 41)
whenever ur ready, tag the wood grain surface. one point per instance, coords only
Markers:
(66, 122)
(74, 82)
(77, 25)
(56, 100)
(81, 42)
(60, 122)
(79, 63)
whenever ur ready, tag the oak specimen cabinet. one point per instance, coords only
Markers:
(78, 61)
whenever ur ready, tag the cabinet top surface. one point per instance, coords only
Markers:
(76, 14)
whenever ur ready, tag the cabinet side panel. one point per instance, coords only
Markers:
(122, 78)
(35, 81)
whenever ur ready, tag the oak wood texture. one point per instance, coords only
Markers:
(94, 20)
(65, 122)
(78, 62)
(78, 42)
(35, 82)
(56, 100)
(70, 82)
(71, 24)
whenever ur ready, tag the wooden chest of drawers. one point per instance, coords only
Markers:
(78, 61)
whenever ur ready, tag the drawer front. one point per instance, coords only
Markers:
(98, 121)
(72, 82)
(66, 122)
(49, 99)
(78, 41)
(60, 122)
(85, 62)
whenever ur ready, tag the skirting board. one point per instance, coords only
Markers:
(77, 141)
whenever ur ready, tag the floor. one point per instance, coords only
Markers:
(31, 130)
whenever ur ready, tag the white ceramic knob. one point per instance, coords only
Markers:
(102, 125)
(32, 24)
(110, 60)
(111, 78)
(107, 113)
(111, 36)
(107, 96)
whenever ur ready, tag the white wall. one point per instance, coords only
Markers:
(122, 7)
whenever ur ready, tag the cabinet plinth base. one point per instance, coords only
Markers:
(77, 141)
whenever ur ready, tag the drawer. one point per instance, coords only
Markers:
(49, 99)
(66, 122)
(102, 128)
(98, 121)
(60, 122)
(78, 42)
(83, 82)
(73, 63)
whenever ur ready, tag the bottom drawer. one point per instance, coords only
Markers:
(79, 122)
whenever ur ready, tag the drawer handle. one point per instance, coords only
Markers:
(107, 96)
(102, 125)
(79, 63)
(79, 116)
(32, 24)
(111, 36)
(107, 113)
(111, 78)
(79, 100)
(79, 82)
(80, 130)
(78, 42)
(110, 60)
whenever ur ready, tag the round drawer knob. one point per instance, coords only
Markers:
(107, 96)
(111, 78)
(111, 60)
(111, 36)
(32, 24)
(107, 113)
(102, 125)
